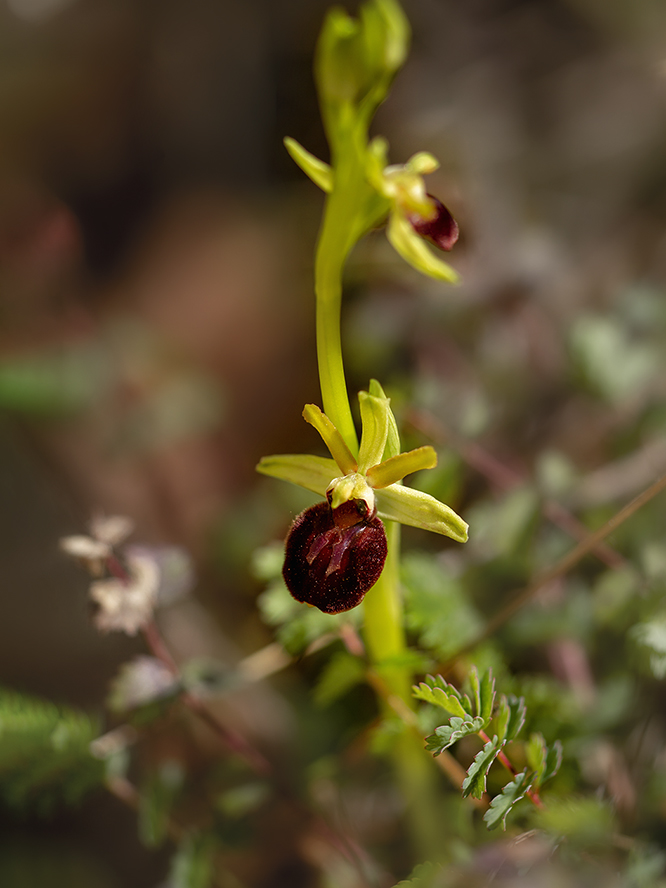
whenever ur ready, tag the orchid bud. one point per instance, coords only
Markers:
(441, 230)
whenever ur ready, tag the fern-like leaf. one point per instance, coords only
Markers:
(475, 782)
(447, 735)
(438, 691)
(45, 753)
(510, 717)
(511, 794)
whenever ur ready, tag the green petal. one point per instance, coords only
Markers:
(331, 437)
(393, 438)
(375, 424)
(314, 473)
(414, 250)
(319, 171)
(422, 163)
(395, 469)
(418, 509)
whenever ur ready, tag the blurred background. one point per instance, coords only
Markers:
(156, 314)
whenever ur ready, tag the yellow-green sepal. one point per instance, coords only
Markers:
(318, 170)
(375, 428)
(418, 509)
(392, 447)
(414, 250)
(314, 473)
(393, 470)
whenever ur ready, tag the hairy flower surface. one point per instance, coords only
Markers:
(335, 550)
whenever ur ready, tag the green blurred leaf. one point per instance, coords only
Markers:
(54, 383)
(439, 692)
(475, 782)
(502, 527)
(586, 822)
(45, 756)
(486, 693)
(156, 800)
(510, 717)
(553, 761)
(240, 801)
(651, 638)
(193, 865)
(447, 735)
(341, 673)
(511, 794)
(437, 608)
(613, 362)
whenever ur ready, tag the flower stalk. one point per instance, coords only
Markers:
(341, 549)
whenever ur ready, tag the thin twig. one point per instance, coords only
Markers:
(505, 478)
(532, 795)
(561, 567)
(232, 739)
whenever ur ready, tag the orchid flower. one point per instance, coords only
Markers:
(335, 550)
(397, 195)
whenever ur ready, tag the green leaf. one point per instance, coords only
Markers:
(45, 753)
(54, 382)
(240, 801)
(447, 735)
(510, 717)
(157, 797)
(501, 805)
(615, 363)
(486, 695)
(437, 691)
(586, 822)
(437, 608)
(553, 761)
(342, 672)
(424, 875)
(475, 782)
(651, 638)
(193, 865)
(535, 751)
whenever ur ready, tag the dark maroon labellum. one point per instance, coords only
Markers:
(441, 231)
(333, 557)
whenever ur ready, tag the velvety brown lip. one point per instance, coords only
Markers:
(329, 564)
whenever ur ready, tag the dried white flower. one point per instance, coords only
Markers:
(105, 533)
(127, 605)
(111, 529)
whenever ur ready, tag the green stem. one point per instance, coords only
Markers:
(336, 239)
(384, 621)
(384, 632)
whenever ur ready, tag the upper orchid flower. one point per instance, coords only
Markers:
(335, 550)
(397, 195)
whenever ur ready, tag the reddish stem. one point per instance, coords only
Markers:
(232, 739)
(531, 794)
